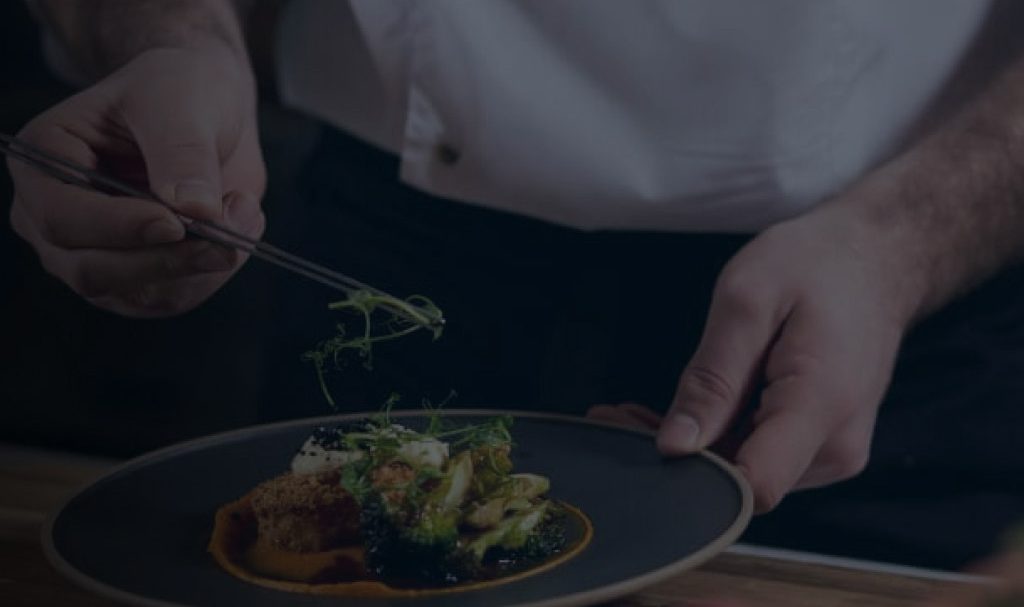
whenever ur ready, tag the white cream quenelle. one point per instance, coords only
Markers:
(314, 457)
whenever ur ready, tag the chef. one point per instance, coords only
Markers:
(753, 204)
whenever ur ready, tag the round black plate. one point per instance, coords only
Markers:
(139, 534)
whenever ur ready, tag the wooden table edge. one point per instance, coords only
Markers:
(867, 566)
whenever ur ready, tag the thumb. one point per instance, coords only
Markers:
(183, 164)
(717, 382)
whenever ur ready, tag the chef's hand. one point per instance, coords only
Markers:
(178, 122)
(798, 349)
(805, 322)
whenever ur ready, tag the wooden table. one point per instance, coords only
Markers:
(34, 482)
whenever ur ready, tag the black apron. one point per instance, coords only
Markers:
(549, 318)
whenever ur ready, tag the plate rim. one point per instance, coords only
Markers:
(600, 594)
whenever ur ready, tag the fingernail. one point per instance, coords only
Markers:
(680, 432)
(213, 259)
(162, 231)
(197, 192)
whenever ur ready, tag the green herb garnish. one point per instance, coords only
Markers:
(382, 318)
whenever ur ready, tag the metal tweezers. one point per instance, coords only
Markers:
(72, 173)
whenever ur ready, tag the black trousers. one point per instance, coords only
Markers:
(545, 317)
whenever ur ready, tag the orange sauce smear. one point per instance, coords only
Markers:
(235, 547)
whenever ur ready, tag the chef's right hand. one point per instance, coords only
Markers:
(178, 122)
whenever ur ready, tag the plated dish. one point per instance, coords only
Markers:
(140, 534)
(373, 508)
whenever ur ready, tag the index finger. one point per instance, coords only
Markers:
(73, 217)
(717, 381)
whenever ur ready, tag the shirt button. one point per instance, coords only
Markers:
(447, 154)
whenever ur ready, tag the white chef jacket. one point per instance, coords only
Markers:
(669, 115)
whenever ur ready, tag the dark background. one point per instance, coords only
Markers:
(75, 377)
(531, 306)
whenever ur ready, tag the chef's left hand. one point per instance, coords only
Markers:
(798, 347)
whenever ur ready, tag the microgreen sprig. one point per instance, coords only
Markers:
(402, 317)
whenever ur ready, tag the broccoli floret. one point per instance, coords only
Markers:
(417, 539)
(424, 553)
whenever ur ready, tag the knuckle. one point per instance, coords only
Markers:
(851, 467)
(175, 306)
(161, 299)
(814, 372)
(150, 300)
(33, 130)
(18, 220)
(49, 263)
(260, 226)
(27, 218)
(12, 168)
(84, 280)
(49, 223)
(847, 458)
(767, 497)
(144, 297)
(737, 294)
(51, 229)
(259, 181)
(701, 384)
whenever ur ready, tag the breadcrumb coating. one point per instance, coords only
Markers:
(306, 512)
